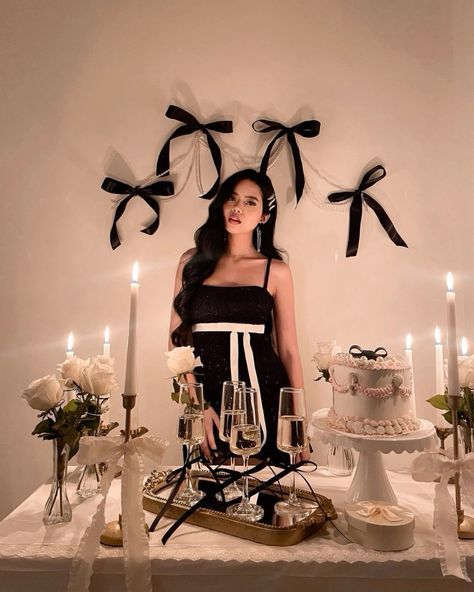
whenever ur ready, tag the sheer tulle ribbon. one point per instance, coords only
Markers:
(355, 216)
(191, 124)
(389, 513)
(147, 193)
(307, 129)
(135, 540)
(427, 467)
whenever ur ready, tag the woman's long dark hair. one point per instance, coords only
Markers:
(211, 240)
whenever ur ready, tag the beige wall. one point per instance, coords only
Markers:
(84, 90)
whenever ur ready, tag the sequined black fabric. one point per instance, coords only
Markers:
(239, 304)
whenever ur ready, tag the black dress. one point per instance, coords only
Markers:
(239, 304)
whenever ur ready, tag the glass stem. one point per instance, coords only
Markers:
(189, 484)
(245, 495)
(292, 499)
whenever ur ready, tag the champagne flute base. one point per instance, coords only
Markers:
(231, 492)
(246, 511)
(190, 496)
(288, 513)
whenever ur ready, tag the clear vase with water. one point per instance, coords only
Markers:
(57, 508)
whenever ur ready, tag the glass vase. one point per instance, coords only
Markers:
(340, 461)
(58, 508)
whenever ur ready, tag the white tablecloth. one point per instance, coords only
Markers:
(34, 557)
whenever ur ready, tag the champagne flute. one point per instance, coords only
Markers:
(190, 432)
(291, 436)
(229, 390)
(245, 440)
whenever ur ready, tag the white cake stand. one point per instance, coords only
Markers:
(370, 480)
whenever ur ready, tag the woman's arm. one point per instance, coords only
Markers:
(281, 284)
(210, 416)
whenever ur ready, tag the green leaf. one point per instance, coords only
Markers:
(438, 401)
(72, 406)
(448, 416)
(175, 397)
(44, 427)
(176, 385)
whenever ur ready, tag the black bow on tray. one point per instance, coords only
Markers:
(357, 352)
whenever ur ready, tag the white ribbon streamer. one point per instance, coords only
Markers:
(246, 329)
(427, 467)
(110, 449)
(389, 513)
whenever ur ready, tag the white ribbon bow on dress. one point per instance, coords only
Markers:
(390, 513)
(110, 449)
(427, 467)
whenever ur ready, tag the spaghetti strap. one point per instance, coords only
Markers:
(267, 273)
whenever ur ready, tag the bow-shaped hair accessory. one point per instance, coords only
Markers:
(147, 193)
(357, 352)
(307, 129)
(358, 195)
(433, 465)
(191, 124)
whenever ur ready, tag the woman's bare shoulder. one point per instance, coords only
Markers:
(280, 269)
(186, 256)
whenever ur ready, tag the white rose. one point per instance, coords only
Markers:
(181, 360)
(325, 350)
(45, 393)
(466, 372)
(98, 377)
(71, 370)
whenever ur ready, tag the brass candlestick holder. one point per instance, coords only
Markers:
(465, 523)
(112, 534)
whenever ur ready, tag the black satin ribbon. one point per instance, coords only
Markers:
(357, 352)
(307, 129)
(147, 193)
(229, 478)
(370, 178)
(191, 124)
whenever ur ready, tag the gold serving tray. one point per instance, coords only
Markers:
(221, 522)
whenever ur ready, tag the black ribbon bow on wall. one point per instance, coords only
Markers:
(191, 124)
(355, 216)
(147, 193)
(307, 129)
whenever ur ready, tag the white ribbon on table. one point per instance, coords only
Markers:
(246, 329)
(390, 513)
(110, 449)
(427, 467)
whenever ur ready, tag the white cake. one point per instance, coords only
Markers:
(372, 397)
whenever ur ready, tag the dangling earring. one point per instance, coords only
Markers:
(259, 238)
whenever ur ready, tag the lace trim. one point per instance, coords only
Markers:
(381, 392)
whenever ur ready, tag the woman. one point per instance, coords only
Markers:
(236, 276)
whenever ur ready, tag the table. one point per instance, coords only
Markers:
(33, 557)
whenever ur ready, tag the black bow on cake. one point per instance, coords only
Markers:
(307, 129)
(357, 352)
(147, 193)
(191, 124)
(370, 178)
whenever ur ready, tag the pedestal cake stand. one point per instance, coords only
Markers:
(370, 481)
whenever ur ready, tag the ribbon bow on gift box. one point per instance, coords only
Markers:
(307, 129)
(110, 449)
(427, 467)
(191, 124)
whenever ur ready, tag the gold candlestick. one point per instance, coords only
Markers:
(112, 534)
(465, 523)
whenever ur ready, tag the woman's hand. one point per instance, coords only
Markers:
(211, 419)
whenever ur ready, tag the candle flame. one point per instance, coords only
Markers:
(408, 341)
(437, 336)
(135, 273)
(107, 335)
(464, 346)
(70, 342)
(450, 282)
